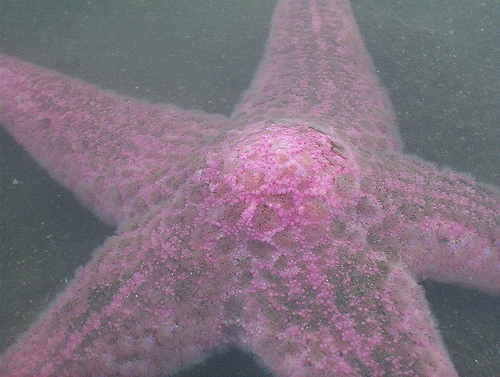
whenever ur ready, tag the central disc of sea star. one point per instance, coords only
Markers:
(278, 183)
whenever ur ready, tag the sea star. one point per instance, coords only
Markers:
(295, 229)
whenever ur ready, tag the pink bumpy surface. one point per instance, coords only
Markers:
(295, 229)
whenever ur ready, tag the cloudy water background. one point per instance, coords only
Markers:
(439, 59)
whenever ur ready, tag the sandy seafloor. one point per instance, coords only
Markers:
(439, 59)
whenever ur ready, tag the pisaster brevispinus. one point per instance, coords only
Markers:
(295, 229)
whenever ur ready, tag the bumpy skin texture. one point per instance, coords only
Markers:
(295, 230)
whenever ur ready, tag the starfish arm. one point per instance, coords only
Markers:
(118, 155)
(144, 306)
(316, 67)
(342, 321)
(446, 225)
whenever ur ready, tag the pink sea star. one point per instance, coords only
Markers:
(295, 229)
